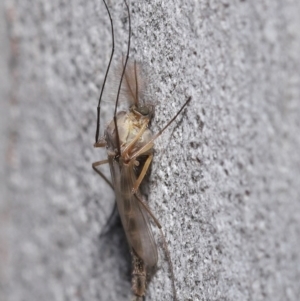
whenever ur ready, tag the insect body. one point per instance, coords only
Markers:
(133, 135)
(129, 131)
(129, 143)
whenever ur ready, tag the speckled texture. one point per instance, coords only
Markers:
(4, 92)
(225, 181)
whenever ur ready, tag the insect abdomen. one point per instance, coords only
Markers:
(138, 276)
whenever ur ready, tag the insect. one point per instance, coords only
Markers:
(129, 143)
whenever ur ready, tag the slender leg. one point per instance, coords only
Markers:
(100, 143)
(144, 204)
(136, 138)
(95, 164)
(142, 174)
(151, 142)
(113, 213)
(167, 252)
(142, 150)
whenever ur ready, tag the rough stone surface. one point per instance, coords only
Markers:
(4, 107)
(225, 181)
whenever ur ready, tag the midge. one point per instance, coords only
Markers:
(129, 143)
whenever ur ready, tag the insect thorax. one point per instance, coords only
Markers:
(129, 126)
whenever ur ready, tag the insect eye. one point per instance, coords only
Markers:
(144, 111)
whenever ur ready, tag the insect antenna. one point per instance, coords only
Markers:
(136, 83)
(123, 72)
(108, 67)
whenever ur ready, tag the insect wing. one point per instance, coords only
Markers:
(134, 217)
(136, 220)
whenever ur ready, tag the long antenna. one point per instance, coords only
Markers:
(123, 72)
(136, 84)
(102, 89)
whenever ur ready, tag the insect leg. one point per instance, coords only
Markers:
(146, 146)
(142, 174)
(114, 211)
(136, 138)
(144, 204)
(100, 143)
(167, 252)
(95, 164)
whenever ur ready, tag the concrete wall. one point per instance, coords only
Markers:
(4, 90)
(225, 178)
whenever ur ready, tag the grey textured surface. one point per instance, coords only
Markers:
(225, 178)
(4, 95)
